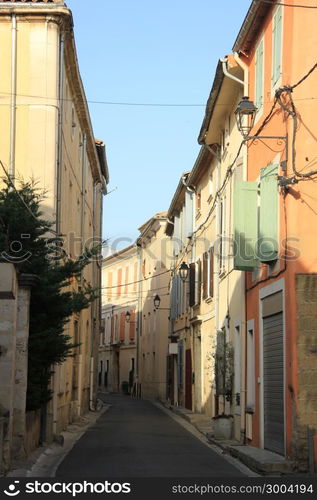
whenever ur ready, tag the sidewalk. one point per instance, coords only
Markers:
(43, 462)
(263, 462)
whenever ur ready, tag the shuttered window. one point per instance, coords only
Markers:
(205, 275)
(119, 282)
(268, 221)
(122, 327)
(245, 225)
(132, 325)
(211, 272)
(277, 45)
(198, 283)
(126, 288)
(259, 75)
(109, 285)
(192, 284)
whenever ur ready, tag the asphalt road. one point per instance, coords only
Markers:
(134, 438)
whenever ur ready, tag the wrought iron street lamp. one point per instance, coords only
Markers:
(157, 301)
(245, 116)
(183, 271)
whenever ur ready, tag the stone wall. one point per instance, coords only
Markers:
(305, 409)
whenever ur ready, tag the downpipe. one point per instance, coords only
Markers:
(13, 97)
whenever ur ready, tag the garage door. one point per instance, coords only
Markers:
(273, 371)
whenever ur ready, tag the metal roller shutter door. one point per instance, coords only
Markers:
(273, 365)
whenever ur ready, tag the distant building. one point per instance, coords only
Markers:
(118, 338)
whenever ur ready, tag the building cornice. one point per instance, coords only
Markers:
(251, 25)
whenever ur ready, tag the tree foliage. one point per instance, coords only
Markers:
(56, 296)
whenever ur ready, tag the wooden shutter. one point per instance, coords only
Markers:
(109, 285)
(122, 326)
(198, 283)
(132, 325)
(126, 280)
(245, 212)
(192, 284)
(205, 275)
(259, 76)
(211, 272)
(119, 282)
(277, 45)
(135, 277)
(268, 230)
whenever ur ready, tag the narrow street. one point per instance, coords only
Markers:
(134, 438)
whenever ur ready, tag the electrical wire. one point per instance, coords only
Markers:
(133, 282)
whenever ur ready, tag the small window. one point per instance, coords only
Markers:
(277, 46)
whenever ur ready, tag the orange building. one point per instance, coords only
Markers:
(275, 43)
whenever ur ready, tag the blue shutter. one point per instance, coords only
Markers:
(189, 214)
(268, 227)
(245, 215)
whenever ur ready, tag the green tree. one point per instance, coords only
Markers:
(24, 241)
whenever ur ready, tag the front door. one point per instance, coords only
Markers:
(188, 380)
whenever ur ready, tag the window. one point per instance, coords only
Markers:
(208, 274)
(119, 282)
(259, 83)
(197, 282)
(237, 366)
(277, 45)
(250, 369)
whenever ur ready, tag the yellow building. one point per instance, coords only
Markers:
(118, 339)
(219, 135)
(46, 134)
(155, 259)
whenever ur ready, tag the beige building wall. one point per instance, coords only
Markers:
(155, 259)
(220, 128)
(47, 136)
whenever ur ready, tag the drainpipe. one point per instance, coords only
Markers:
(94, 323)
(13, 96)
(226, 72)
(58, 194)
(245, 84)
(139, 320)
(60, 133)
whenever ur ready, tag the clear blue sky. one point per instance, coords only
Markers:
(145, 51)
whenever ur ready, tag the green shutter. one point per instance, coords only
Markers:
(277, 45)
(268, 226)
(259, 76)
(245, 215)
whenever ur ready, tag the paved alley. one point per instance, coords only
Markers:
(135, 438)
